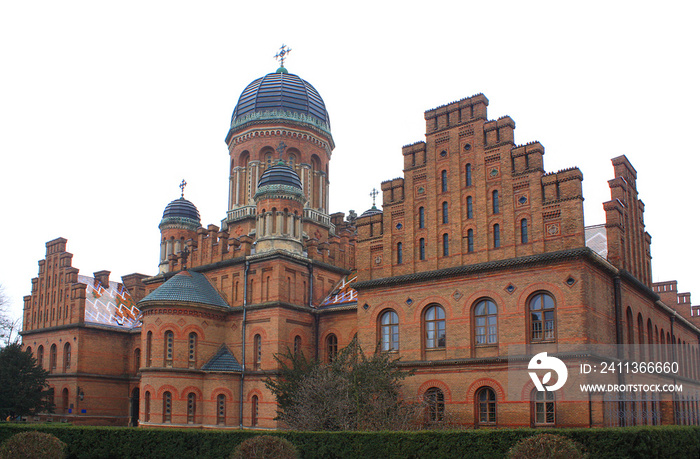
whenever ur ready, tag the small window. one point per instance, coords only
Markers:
(421, 249)
(495, 202)
(221, 409)
(167, 407)
(435, 401)
(169, 338)
(389, 331)
(254, 411)
(544, 408)
(191, 407)
(331, 347)
(443, 180)
(297, 345)
(496, 236)
(257, 348)
(445, 214)
(470, 207)
(486, 322)
(399, 253)
(470, 241)
(40, 356)
(421, 217)
(445, 245)
(66, 357)
(192, 350)
(468, 174)
(147, 407)
(149, 348)
(52, 358)
(486, 406)
(435, 336)
(542, 326)
(523, 231)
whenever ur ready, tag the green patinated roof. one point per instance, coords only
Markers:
(187, 287)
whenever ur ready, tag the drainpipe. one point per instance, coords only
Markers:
(245, 303)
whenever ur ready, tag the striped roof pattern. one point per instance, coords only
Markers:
(187, 287)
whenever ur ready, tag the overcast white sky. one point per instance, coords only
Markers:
(106, 106)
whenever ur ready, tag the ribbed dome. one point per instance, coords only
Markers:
(281, 92)
(372, 211)
(181, 208)
(280, 174)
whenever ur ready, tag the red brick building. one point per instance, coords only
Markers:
(477, 249)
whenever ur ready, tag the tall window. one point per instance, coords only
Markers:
(389, 331)
(443, 180)
(167, 407)
(435, 401)
(254, 411)
(445, 215)
(468, 175)
(40, 356)
(297, 344)
(399, 253)
(137, 360)
(421, 217)
(543, 408)
(147, 407)
(191, 407)
(421, 249)
(486, 322)
(257, 348)
(523, 231)
(66, 357)
(486, 406)
(495, 202)
(470, 207)
(221, 409)
(331, 347)
(149, 348)
(542, 326)
(169, 339)
(445, 245)
(435, 336)
(52, 358)
(470, 240)
(192, 350)
(496, 236)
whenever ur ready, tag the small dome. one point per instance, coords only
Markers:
(372, 211)
(280, 174)
(181, 208)
(281, 91)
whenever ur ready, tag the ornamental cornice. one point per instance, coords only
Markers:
(250, 127)
(280, 191)
(179, 223)
(182, 312)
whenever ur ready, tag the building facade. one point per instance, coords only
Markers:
(477, 251)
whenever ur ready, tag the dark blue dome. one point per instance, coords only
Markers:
(280, 174)
(281, 92)
(181, 208)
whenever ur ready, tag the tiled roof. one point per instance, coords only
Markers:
(343, 294)
(597, 239)
(109, 304)
(187, 287)
(223, 360)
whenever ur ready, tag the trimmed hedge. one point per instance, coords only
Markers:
(123, 442)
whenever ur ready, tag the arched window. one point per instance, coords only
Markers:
(147, 407)
(149, 348)
(421, 217)
(486, 322)
(543, 408)
(399, 253)
(65, 401)
(254, 411)
(389, 331)
(137, 360)
(52, 358)
(435, 402)
(640, 333)
(169, 339)
(66, 357)
(445, 214)
(191, 407)
(496, 236)
(542, 324)
(331, 347)
(435, 335)
(445, 245)
(486, 406)
(630, 332)
(192, 350)
(421, 249)
(470, 207)
(523, 231)
(468, 174)
(495, 202)
(257, 348)
(167, 407)
(443, 181)
(40, 356)
(297, 344)
(221, 409)
(470, 240)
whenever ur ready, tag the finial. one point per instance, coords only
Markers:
(282, 55)
(374, 194)
(183, 184)
(281, 147)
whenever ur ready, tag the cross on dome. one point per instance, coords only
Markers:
(282, 54)
(183, 184)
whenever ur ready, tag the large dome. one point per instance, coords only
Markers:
(281, 92)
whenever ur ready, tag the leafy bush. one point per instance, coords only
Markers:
(265, 447)
(32, 445)
(546, 446)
